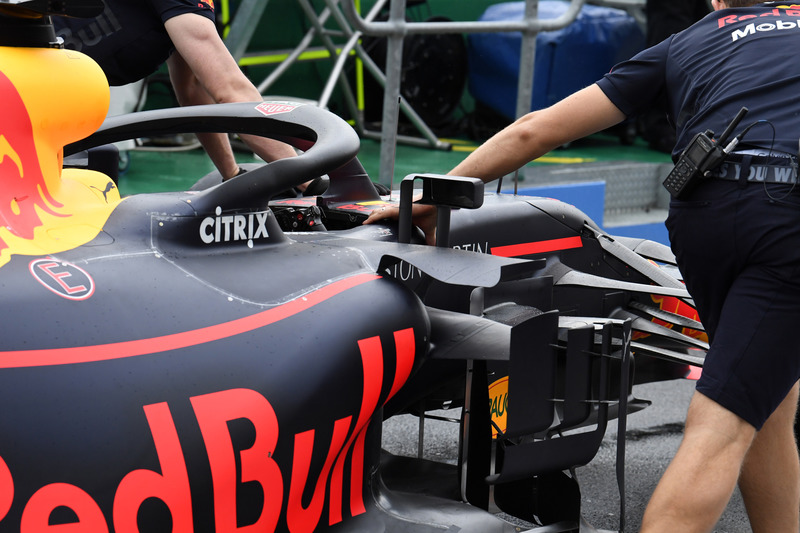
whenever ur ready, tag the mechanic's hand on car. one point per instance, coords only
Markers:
(423, 216)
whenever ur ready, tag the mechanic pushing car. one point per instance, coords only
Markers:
(734, 225)
(130, 40)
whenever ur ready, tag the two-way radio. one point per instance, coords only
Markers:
(703, 154)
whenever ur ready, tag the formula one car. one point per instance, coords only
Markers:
(222, 359)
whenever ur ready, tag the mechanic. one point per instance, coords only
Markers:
(131, 40)
(736, 240)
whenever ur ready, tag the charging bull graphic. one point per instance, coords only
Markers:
(38, 198)
(20, 174)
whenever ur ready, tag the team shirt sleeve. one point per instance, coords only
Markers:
(635, 84)
(172, 8)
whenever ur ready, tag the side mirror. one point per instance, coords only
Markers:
(446, 193)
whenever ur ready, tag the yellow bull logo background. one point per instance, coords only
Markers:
(43, 209)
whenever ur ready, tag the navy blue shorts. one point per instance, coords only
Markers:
(738, 248)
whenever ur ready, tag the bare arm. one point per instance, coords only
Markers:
(190, 92)
(535, 134)
(203, 72)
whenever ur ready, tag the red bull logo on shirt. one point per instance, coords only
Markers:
(769, 21)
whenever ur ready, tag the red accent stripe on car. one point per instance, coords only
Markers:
(119, 350)
(541, 247)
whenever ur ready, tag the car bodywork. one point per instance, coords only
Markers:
(221, 359)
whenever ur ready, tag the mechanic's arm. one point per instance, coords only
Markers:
(189, 92)
(529, 137)
(539, 132)
(203, 71)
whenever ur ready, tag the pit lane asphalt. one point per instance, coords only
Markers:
(653, 437)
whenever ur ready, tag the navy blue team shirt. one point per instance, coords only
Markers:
(128, 40)
(733, 58)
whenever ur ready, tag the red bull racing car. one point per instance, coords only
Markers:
(222, 359)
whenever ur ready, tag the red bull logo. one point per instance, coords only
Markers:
(792, 10)
(307, 497)
(44, 209)
(779, 19)
(679, 307)
(21, 179)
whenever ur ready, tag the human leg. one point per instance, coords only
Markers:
(700, 480)
(744, 277)
(770, 479)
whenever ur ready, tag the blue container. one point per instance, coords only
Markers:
(567, 60)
